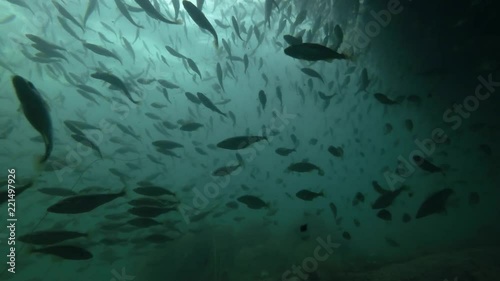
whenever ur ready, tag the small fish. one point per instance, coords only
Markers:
(240, 142)
(346, 235)
(35, 109)
(426, 165)
(174, 53)
(122, 7)
(102, 51)
(313, 73)
(49, 237)
(303, 228)
(385, 100)
(336, 151)
(262, 99)
(435, 203)
(333, 208)
(115, 81)
(386, 198)
(283, 151)
(304, 167)
(200, 19)
(313, 52)
(194, 67)
(253, 202)
(219, 76)
(87, 142)
(385, 215)
(152, 12)
(166, 144)
(209, 104)
(191, 126)
(236, 27)
(66, 252)
(143, 222)
(153, 191)
(83, 203)
(308, 195)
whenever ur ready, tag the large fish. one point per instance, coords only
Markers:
(36, 111)
(200, 19)
(83, 203)
(313, 52)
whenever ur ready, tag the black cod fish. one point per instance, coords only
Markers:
(115, 81)
(240, 142)
(200, 19)
(152, 12)
(36, 111)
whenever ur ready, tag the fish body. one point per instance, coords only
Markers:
(304, 167)
(308, 195)
(200, 19)
(434, 204)
(82, 203)
(240, 142)
(152, 12)
(252, 202)
(209, 104)
(312, 52)
(66, 252)
(115, 81)
(35, 109)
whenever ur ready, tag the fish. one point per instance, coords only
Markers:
(201, 20)
(219, 76)
(240, 142)
(304, 167)
(67, 15)
(191, 97)
(245, 62)
(303, 228)
(35, 109)
(191, 126)
(177, 6)
(166, 144)
(283, 151)
(194, 67)
(386, 198)
(383, 99)
(236, 27)
(6, 195)
(22, 4)
(426, 165)
(292, 40)
(308, 195)
(253, 202)
(152, 12)
(40, 41)
(385, 215)
(87, 142)
(66, 252)
(333, 208)
(435, 203)
(153, 191)
(346, 235)
(313, 52)
(143, 222)
(313, 73)
(115, 81)
(149, 211)
(174, 53)
(91, 6)
(336, 151)
(83, 203)
(124, 11)
(262, 99)
(268, 6)
(49, 237)
(167, 84)
(209, 104)
(102, 51)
